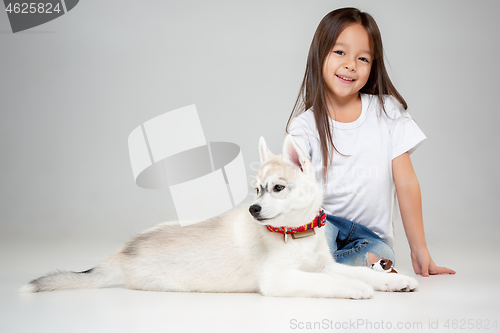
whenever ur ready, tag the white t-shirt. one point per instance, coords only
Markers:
(360, 186)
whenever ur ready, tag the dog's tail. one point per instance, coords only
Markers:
(107, 272)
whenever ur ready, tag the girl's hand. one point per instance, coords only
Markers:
(423, 264)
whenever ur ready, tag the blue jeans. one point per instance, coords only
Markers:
(350, 242)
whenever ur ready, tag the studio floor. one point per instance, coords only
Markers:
(467, 301)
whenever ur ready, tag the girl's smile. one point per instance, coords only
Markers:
(345, 79)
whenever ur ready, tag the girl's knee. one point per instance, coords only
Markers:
(379, 251)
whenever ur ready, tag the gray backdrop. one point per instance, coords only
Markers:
(73, 89)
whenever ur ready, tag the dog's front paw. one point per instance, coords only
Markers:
(396, 282)
(355, 290)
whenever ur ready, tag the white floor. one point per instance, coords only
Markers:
(468, 301)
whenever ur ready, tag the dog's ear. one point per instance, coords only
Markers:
(264, 152)
(292, 154)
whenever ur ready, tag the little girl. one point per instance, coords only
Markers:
(353, 124)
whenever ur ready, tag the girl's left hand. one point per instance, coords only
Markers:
(423, 264)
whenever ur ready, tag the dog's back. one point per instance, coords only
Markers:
(217, 255)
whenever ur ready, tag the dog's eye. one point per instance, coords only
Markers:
(278, 188)
(256, 190)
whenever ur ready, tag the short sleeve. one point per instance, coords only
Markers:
(404, 132)
(302, 133)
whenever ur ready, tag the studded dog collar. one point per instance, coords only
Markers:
(302, 231)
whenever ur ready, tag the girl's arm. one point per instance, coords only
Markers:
(410, 205)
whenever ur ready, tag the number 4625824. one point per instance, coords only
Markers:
(33, 8)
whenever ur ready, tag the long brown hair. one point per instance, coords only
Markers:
(312, 90)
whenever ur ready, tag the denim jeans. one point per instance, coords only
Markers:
(350, 242)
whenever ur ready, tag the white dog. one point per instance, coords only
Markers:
(264, 249)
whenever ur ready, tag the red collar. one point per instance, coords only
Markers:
(319, 221)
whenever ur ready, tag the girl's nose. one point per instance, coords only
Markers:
(350, 67)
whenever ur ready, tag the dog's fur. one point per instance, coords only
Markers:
(236, 252)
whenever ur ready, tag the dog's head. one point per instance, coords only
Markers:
(286, 191)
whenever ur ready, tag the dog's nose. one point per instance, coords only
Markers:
(255, 210)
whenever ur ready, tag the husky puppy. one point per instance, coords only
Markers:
(262, 249)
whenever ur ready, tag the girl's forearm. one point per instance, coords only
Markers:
(410, 202)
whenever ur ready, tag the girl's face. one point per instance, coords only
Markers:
(347, 67)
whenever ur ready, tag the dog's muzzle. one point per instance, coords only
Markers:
(255, 210)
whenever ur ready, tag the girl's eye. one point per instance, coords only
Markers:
(364, 59)
(339, 52)
(278, 188)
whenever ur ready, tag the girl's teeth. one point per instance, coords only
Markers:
(344, 78)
